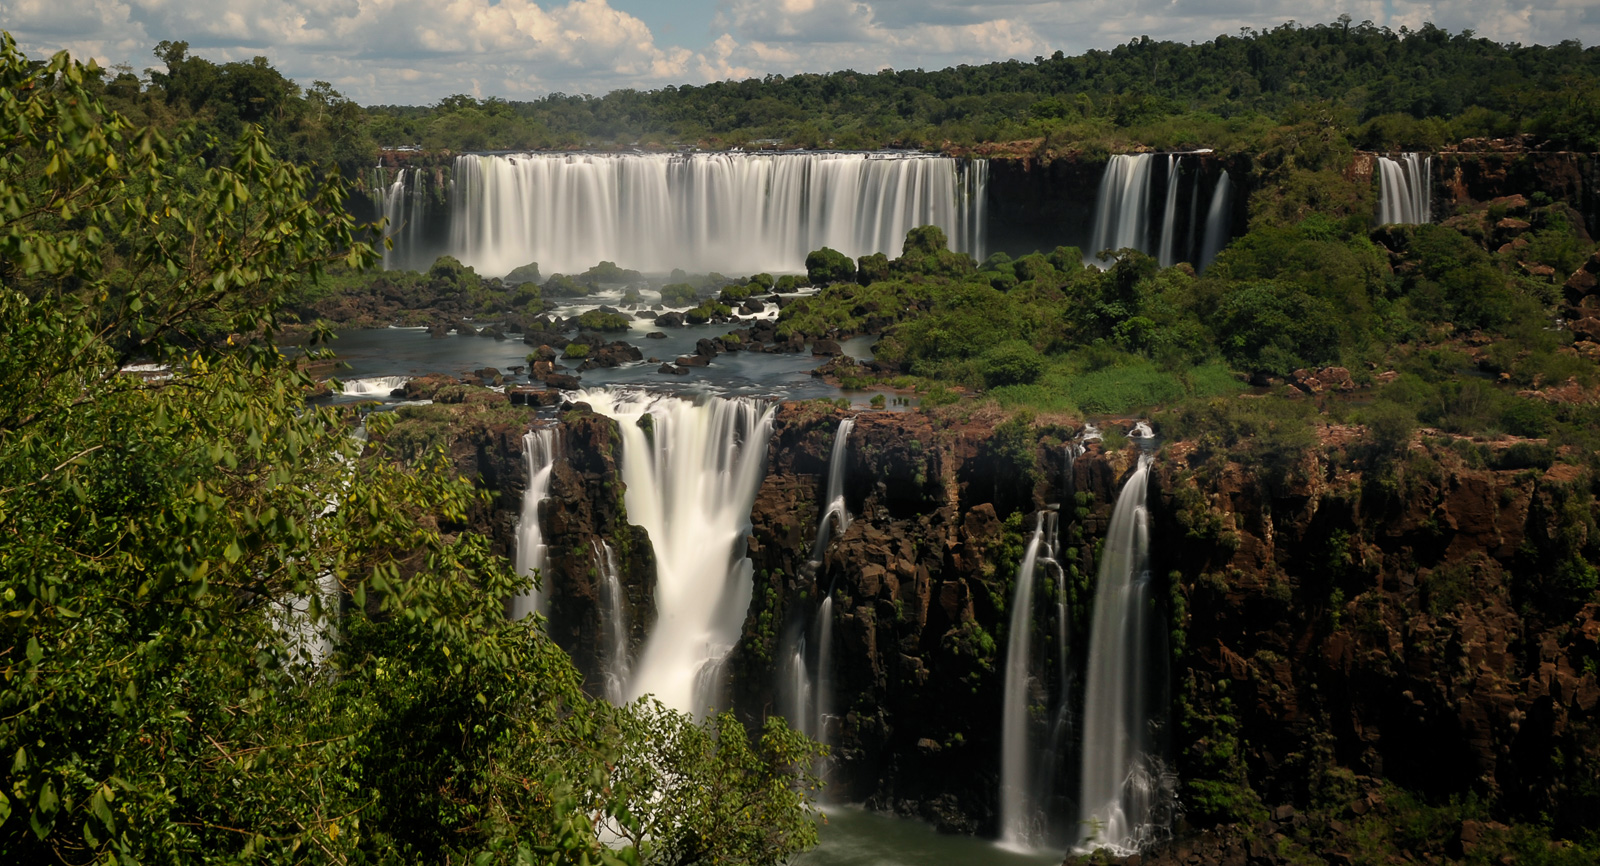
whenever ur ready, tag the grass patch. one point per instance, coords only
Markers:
(1130, 384)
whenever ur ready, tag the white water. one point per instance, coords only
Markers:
(1124, 211)
(1168, 255)
(613, 623)
(835, 509)
(1121, 783)
(1020, 821)
(691, 483)
(794, 690)
(824, 694)
(375, 386)
(538, 456)
(1405, 189)
(1219, 220)
(1122, 205)
(731, 212)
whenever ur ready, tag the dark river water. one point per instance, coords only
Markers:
(406, 352)
(855, 837)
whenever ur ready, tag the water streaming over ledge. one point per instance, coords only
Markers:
(731, 212)
(692, 471)
(806, 691)
(538, 459)
(1132, 189)
(614, 665)
(1023, 824)
(1405, 193)
(1124, 787)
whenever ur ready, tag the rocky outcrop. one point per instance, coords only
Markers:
(1426, 623)
(1347, 622)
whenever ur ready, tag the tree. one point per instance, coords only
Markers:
(232, 631)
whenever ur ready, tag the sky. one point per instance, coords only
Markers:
(414, 52)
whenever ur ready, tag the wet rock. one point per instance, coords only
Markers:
(825, 347)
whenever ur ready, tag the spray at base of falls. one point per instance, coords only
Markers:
(1026, 774)
(691, 472)
(613, 623)
(1405, 189)
(539, 459)
(1124, 790)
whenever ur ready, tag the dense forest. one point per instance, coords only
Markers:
(1383, 90)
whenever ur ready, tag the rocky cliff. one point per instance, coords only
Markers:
(1341, 627)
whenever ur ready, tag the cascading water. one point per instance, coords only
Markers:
(1021, 819)
(1125, 210)
(806, 693)
(538, 457)
(613, 623)
(734, 212)
(835, 509)
(1122, 214)
(1168, 255)
(794, 689)
(1405, 192)
(824, 694)
(403, 203)
(1219, 220)
(1123, 785)
(692, 469)
(374, 386)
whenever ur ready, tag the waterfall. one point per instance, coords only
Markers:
(794, 685)
(1069, 485)
(1123, 784)
(733, 212)
(691, 469)
(403, 202)
(1169, 216)
(538, 457)
(613, 623)
(824, 693)
(1021, 802)
(1219, 220)
(1194, 213)
(835, 509)
(1405, 193)
(1122, 206)
(373, 386)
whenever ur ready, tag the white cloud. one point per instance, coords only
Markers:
(412, 51)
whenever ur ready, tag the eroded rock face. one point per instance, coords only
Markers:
(1418, 619)
(1393, 625)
